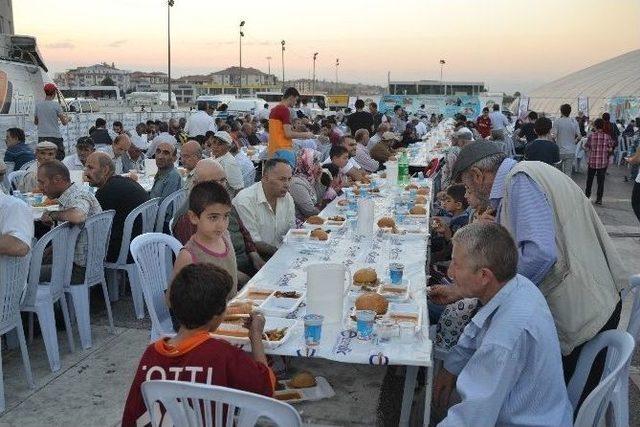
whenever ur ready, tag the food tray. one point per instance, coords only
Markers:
(279, 306)
(397, 311)
(255, 294)
(328, 224)
(297, 235)
(386, 289)
(322, 390)
(270, 323)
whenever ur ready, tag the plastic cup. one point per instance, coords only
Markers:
(387, 329)
(313, 329)
(364, 324)
(395, 273)
(407, 332)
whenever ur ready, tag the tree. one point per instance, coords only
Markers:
(107, 81)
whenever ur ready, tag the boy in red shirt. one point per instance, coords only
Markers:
(198, 299)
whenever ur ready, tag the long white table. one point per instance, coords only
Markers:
(286, 271)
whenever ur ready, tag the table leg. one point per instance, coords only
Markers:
(410, 377)
(427, 396)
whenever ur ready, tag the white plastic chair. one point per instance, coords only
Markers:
(619, 346)
(13, 278)
(98, 229)
(190, 404)
(40, 297)
(14, 177)
(148, 211)
(620, 399)
(151, 252)
(171, 203)
(27, 165)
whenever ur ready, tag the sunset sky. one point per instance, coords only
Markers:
(509, 44)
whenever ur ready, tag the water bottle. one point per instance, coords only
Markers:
(403, 169)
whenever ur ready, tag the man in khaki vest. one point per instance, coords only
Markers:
(562, 245)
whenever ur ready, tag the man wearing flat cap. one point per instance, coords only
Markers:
(222, 142)
(562, 245)
(45, 152)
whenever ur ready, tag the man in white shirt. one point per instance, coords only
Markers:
(220, 147)
(498, 120)
(506, 365)
(163, 136)
(16, 226)
(567, 133)
(84, 147)
(421, 126)
(266, 208)
(377, 137)
(200, 122)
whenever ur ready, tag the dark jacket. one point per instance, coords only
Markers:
(543, 151)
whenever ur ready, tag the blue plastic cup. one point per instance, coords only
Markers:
(395, 273)
(364, 324)
(313, 329)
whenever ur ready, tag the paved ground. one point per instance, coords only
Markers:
(91, 387)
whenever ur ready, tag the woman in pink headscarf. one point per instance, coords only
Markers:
(304, 184)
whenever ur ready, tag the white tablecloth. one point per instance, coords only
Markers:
(285, 271)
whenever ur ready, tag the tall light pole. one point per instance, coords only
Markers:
(337, 63)
(313, 86)
(282, 43)
(269, 64)
(442, 62)
(169, 6)
(241, 36)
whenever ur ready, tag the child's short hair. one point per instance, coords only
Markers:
(205, 194)
(337, 151)
(456, 192)
(199, 292)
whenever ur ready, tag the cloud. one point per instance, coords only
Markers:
(117, 43)
(60, 45)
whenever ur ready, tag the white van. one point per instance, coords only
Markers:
(246, 105)
(214, 101)
(82, 105)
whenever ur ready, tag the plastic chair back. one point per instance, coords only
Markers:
(151, 253)
(634, 320)
(14, 177)
(192, 404)
(173, 201)
(148, 211)
(27, 165)
(619, 346)
(13, 279)
(63, 241)
(98, 229)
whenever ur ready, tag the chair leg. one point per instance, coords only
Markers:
(136, 292)
(2, 402)
(25, 354)
(113, 281)
(31, 327)
(107, 303)
(47, 321)
(80, 298)
(67, 322)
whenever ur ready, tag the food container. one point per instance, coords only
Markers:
(237, 334)
(281, 303)
(285, 393)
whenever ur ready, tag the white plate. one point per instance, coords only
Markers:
(322, 390)
(256, 294)
(405, 287)
(297, 235)
(270, 323)
(281, 306)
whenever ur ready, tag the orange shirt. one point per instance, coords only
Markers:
(278, 117)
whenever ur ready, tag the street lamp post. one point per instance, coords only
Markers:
(269, 64)
(337, 63)
(169, 6)
(282, 43)
(241, 36)
(313, 87)
(442, 62)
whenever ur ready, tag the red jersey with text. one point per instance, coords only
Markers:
(201, 359)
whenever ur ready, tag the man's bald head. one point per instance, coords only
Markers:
(99, 168)
(209, 170)
(190, 154)
(121, 144)
(383, 127)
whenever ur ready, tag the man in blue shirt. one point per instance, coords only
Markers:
(18, 152)
(506, 365)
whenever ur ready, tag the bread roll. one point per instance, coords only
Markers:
(372, 301)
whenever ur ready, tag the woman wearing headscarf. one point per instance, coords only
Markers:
(304, 184)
